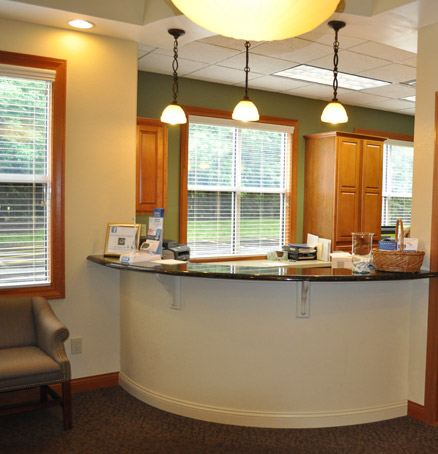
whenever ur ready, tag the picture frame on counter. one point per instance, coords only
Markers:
(121, 239)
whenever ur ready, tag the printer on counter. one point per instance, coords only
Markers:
(300, 252)
(173, 250)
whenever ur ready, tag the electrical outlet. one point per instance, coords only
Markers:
(76, 345)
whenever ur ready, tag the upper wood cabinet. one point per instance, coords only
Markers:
(343, 186)
(151, 185)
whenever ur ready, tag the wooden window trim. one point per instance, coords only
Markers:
(293, 168)
(56, 289)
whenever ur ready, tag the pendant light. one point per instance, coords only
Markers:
(246, 110)
(258, 20)
(174, 113)
(335, 112)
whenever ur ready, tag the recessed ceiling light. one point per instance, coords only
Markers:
(80, 23)
(325, 77)
(409, 98)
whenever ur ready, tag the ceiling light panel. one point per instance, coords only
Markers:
(325, 76)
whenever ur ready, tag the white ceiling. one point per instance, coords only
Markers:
(379, 41)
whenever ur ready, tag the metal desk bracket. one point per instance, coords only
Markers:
(173, 286)
(303, 300)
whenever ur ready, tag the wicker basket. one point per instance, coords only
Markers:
(398, 261)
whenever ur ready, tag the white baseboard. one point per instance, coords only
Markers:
(262, 419)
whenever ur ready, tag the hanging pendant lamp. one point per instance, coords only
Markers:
(246, 110)
(258, 20)
(335, 112)
(174, 114)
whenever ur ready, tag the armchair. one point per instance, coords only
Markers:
(32, 354)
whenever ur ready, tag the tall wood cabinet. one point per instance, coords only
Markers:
(343, 186)
(151, 191)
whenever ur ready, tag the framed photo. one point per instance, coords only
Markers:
(121, 239)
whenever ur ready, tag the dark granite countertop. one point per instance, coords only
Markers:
(227, 271)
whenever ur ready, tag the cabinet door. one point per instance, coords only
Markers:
(348, 187)
(151, 189)
(371, 203)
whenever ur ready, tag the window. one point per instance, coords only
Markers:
(238, 185)
(398, 157)
(32, 123)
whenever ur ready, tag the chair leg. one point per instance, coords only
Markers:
(44, 393)
(66, 404)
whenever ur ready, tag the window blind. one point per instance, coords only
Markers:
(397, 183)
(25, 123)
(237, 187)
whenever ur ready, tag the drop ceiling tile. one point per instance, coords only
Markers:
(391, 104)
(410, 111)
(350, 62)
(383, 51)
(294, 50)
(317, 91)
(411, 62)
(394, 72)
(328, 37)
(393, 91)
(230, 43)
(358, 98)
(276, 84)
(222, 75)
(144, 50)
(201, 52)
(163, 64)
(258, 63)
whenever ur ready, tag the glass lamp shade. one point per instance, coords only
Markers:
(245, 110)
(334, 113)
(258, 20)
(173, 114)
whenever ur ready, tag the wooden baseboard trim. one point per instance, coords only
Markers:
(416, 411)
(79, 385)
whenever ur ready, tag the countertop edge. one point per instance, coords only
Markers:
(175, 270)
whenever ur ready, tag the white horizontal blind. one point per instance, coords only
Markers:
(25, 122)
(398, 160)
(237, 182)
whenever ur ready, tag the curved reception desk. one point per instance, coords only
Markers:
(266, 346)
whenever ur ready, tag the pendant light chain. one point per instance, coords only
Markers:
(174, 114)
(336, 26)
(247, 69)
(175, 69)
(335, 66)
(334, 112)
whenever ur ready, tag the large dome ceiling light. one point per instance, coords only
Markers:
(258, 20)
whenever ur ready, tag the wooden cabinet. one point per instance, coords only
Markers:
(343, 186)
(151, 191)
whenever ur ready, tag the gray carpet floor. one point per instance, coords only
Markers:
(110, 421)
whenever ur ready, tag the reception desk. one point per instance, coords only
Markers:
(266, 346)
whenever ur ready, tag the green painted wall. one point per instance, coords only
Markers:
(154, 93)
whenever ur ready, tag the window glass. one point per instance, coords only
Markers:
(398, 159)
(32, 140)
(237, 187)
(24, 181)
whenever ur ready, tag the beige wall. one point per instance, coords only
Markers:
(100, 176)
(427, 85)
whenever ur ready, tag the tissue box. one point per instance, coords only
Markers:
(342, 260)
